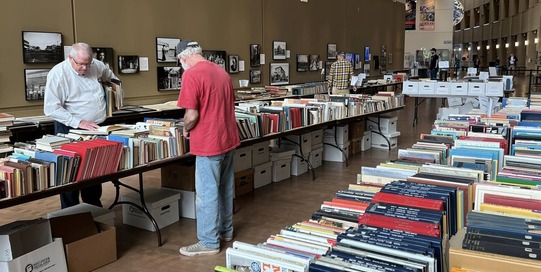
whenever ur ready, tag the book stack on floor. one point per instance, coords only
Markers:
(6, 120)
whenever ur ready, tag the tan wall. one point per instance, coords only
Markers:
(130, 27)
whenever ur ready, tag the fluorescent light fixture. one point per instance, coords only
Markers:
(506, 45)
(526, 42)
(478, 47)
(469, 48)
(498, 46)
(536, 40)
(488, 46)
(516, 44)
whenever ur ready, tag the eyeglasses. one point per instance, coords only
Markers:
(82, 64)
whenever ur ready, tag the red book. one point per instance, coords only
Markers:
(85, 152)
(376, 220)
(517, 202)
(408, 201)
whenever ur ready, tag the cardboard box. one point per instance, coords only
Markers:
(281, 153)
(93, 245)
(355, 145)
(476, 88)
(179, 176)
(356, 129)
(317, 137)
(99, 214)
(244, 182)
(21, 237)
(331, 153)
(387, 125)
(297, 142)
(242, 159)
(337, 135)
(427, 88)
(379, 141)
(298, 166)
(459, 88)
(281, 169)
(186, 203)
(162, 205)
(262, 175)
(410, 87)
(316, 157)
(443, 88)
(260, 153)
(50, 258)
(366, 141)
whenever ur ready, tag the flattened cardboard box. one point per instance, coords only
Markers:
(94, 248)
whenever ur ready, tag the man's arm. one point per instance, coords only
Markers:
(190, 120)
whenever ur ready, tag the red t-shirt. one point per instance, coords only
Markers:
(207, 88)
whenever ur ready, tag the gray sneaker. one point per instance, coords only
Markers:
(198, 249)
(226, 238)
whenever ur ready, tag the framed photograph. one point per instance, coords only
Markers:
(255, 55)
(331, 51)
(233, 64)
(105, 55)
(279, 50)
(351, 58)
(166, 49)
(357, 61)
(314, 62)
(216, 56)
(279, 73)
(35, 80)
(327, 69)
(255, 76)
(42, 47)
(169, 78)
(302, 63)
(128, 64)
(367, 56)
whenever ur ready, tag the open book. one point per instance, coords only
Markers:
(103, 130)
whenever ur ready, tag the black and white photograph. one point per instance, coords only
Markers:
(255, 55)
(350, 57)
(331, 51)
(279, 73)
(105, 55)
(314, 62)
(35, 80)
(279, 50)
(302, 63)
(128, 64)
(255, 76)
(218, 57)
(42, 47)
(166, 49)
(233, 64)
(357, 61)
(169, 78)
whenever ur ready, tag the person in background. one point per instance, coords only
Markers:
(340, 75)
(74, 98)
(208, 97)
(476, 61)
(512, 63)
(433, 64)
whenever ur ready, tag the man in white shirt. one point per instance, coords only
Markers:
(74, 98)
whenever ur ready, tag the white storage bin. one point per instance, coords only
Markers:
(333, 154)
(316, 157)
(367, 141)
(387, 124)
(341, 132)
(260, 153)
(303, 140)
(410, 87)
(243, 159)
(298, 166)
(427, 88)
(459, 88)
(317, 137)
(476, 89)
(262, 175)
(186, 203)
(281, 170)
(379, 141)
(443, 88)
(162, 205)
(494, 89)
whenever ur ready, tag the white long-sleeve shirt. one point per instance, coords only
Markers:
(70, 97)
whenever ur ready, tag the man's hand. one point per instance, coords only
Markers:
(186, 133)
(88, 125)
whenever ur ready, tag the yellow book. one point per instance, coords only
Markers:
(510, 211)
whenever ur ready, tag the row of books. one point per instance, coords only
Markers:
(6, 120)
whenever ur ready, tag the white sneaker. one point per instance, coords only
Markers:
(198, 249)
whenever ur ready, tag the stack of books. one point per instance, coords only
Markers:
(6, 120)
(51, 142)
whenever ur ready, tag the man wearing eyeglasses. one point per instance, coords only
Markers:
(74, 98)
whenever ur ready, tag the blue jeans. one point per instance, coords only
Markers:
(434, 74)
(214, 186)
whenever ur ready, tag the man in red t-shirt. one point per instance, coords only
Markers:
(208, 98)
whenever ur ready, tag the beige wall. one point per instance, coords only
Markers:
(130, 27)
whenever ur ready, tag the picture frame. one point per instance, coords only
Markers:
(35, 81)
(255, 76)
(367, 56)
(314, 62)
(279, 73)
(331, 51)
(279, 50)
(302, 63)
(169, 78)
(42, 47)
(105, 55)
(350, 57)
(128, 64)
(166, 49)
(216, 56)
(233, 61)
(255, 55)
(357, 61)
